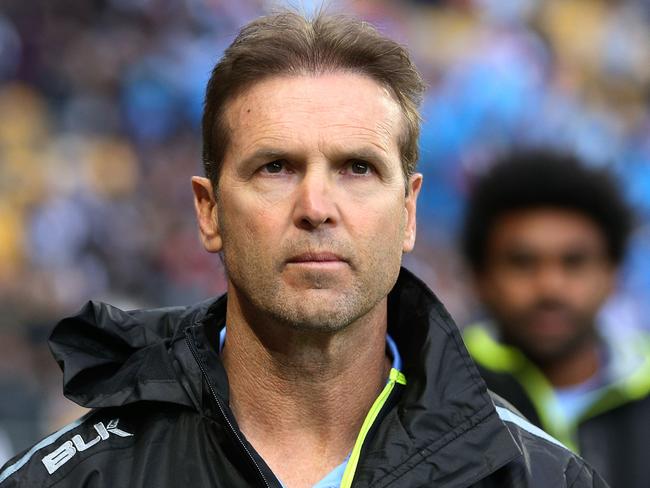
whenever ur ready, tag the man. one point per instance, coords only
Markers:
(544, 236)
(310, 144)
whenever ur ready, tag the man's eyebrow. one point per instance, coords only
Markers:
(340, 153)
(263, 154)
(267, 154)
(363, 153)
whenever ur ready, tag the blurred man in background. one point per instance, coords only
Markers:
(544, 236)
(326, 364)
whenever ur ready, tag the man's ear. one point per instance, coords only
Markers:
(205, 205)
(412, 192)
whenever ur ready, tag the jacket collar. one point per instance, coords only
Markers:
(444, 421)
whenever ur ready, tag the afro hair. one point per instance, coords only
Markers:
(533, 178)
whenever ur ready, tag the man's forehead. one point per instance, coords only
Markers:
(552, 229)
(336, 98)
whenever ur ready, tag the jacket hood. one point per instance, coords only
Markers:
(110, 357)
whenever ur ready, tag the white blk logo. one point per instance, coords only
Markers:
(68, 449)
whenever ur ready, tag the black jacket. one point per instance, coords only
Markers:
(161, 417)
(612, 432)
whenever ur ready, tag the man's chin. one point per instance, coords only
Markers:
(306, 278)
(323, 321)
(544, 349)
(319, 309)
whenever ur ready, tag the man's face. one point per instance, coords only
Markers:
(311, 214)
(546, 275)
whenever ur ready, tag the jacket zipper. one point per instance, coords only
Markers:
(223, 413)
(394, 378)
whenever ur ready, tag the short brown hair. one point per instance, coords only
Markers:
(287, 43)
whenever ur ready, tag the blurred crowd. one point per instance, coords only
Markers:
(100, 106)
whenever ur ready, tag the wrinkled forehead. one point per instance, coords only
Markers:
(317, 101)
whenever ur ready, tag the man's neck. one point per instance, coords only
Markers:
(301, 396)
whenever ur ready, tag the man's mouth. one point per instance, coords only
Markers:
(550, 320)
(322, 257)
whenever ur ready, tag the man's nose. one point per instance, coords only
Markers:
(551, 279)
(315, 204)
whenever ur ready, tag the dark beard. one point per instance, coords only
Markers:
(583, 332)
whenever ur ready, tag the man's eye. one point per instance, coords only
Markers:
(360, 167)
(521, 261)
(275, 166)
(576, 261)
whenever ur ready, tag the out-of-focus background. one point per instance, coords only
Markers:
(100, 105)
